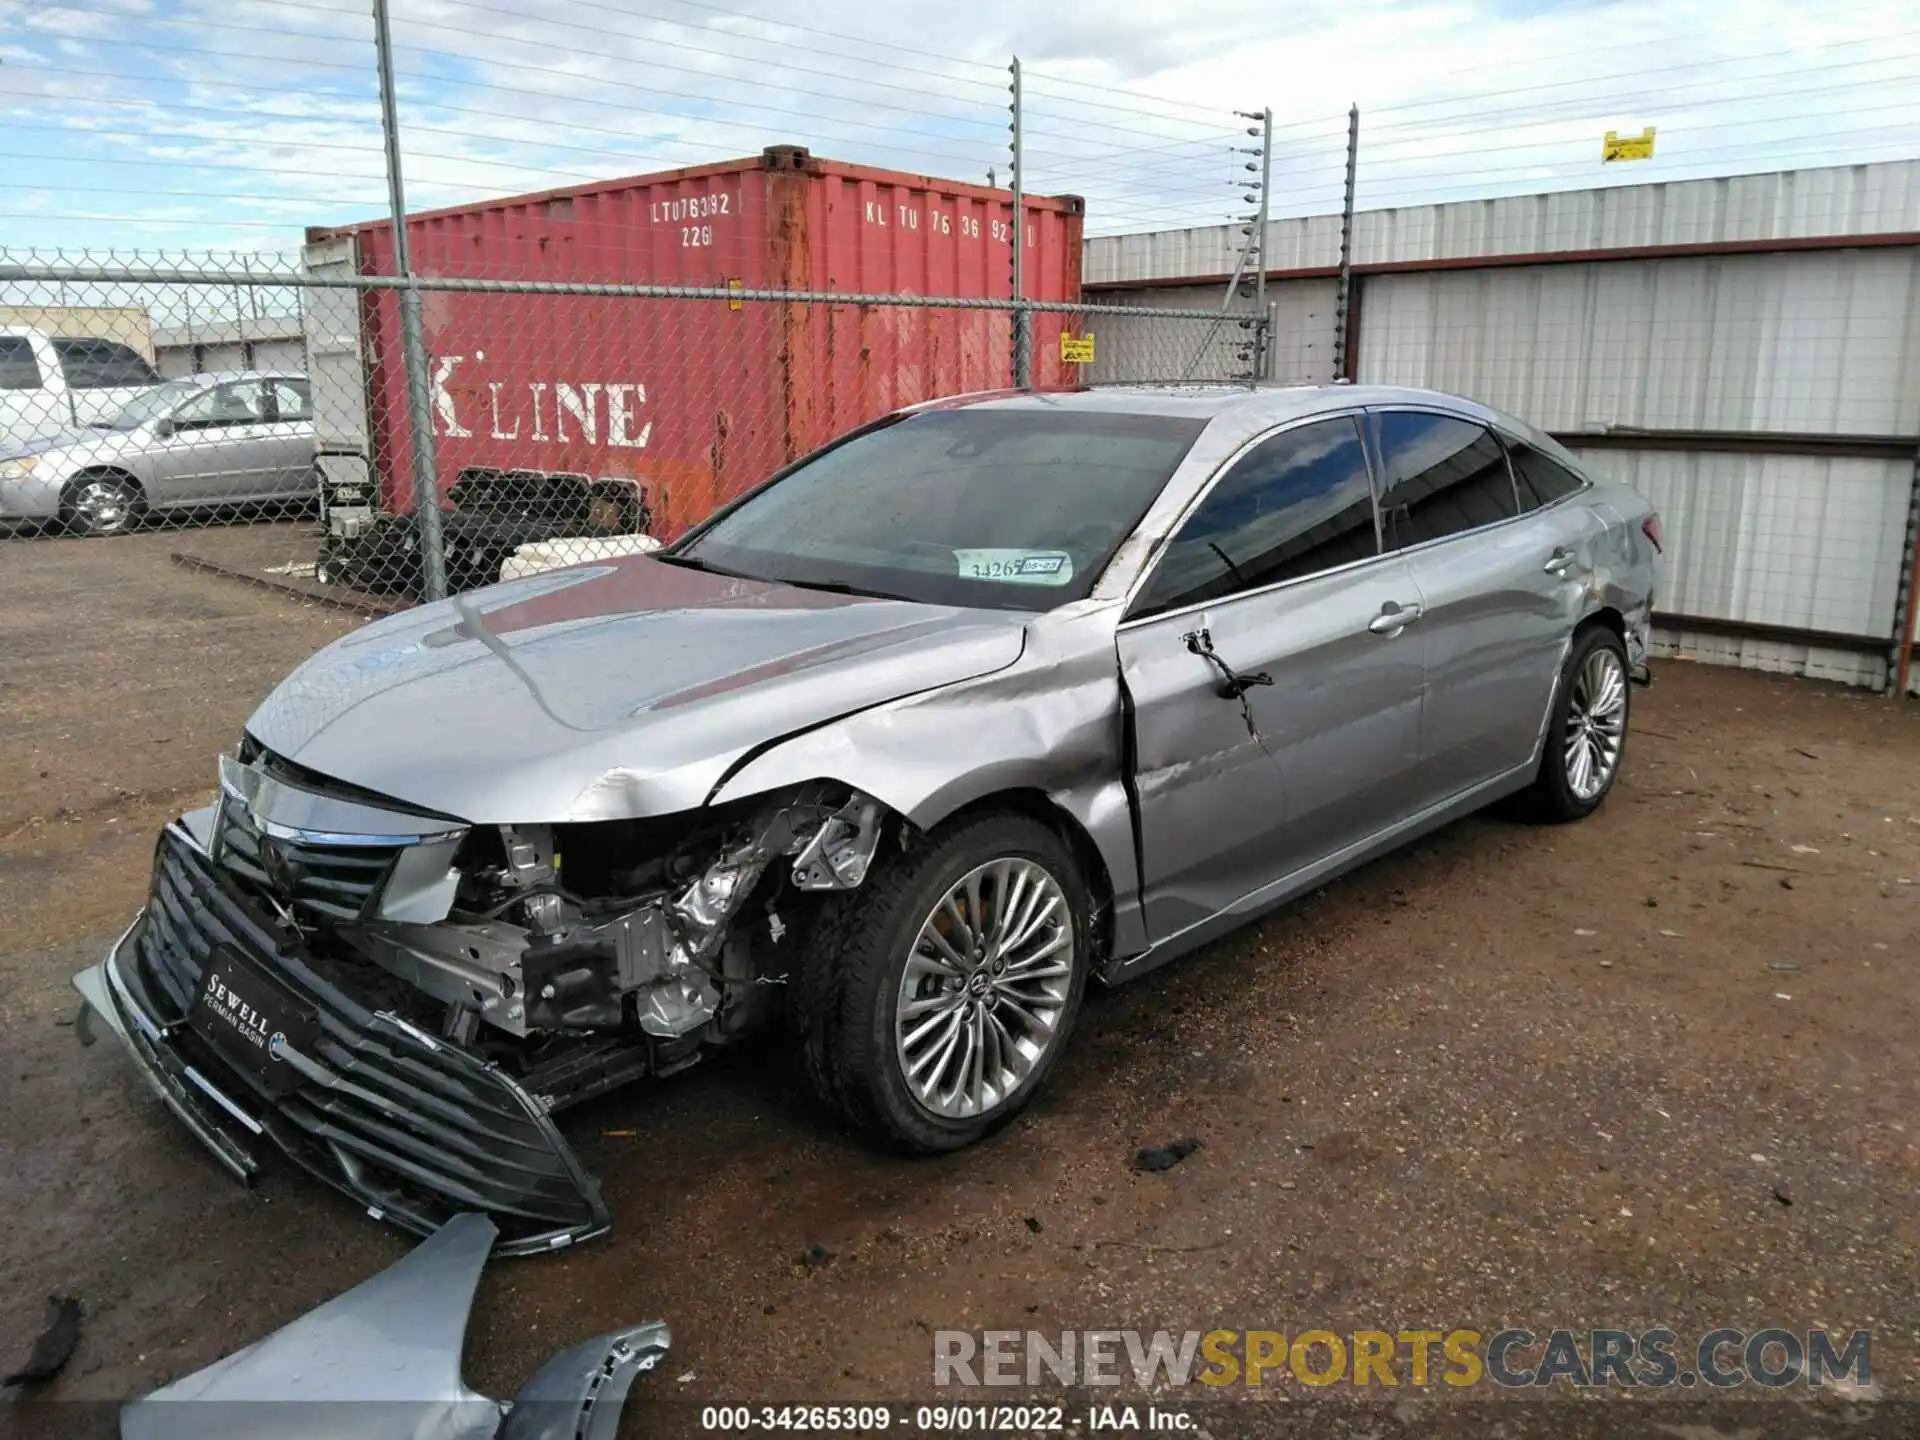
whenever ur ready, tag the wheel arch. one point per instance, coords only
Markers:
(102, 472)
(1606, 615)
(1037, 804)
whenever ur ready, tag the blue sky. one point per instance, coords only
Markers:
(232, 124)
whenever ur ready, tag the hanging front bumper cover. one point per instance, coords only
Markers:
(416, 1129)
(383, 1361)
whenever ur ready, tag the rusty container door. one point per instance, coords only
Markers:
(698, 400)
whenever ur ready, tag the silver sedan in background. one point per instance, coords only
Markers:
(991, 697)
(204, 441)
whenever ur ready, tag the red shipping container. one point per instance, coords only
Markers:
(695, 400)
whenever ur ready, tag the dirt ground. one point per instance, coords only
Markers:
(1658, 1067)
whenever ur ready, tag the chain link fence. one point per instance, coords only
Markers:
(550, 421)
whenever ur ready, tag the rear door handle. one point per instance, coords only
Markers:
(1392, 619)
(1559, 562)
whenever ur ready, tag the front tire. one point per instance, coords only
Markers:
(931, 1004)
(102, 505)
(1587, 732)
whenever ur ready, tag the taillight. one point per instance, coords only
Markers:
(1650, 527)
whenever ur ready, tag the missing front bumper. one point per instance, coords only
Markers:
(414, 1128)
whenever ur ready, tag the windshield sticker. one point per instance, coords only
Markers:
(1016, 567)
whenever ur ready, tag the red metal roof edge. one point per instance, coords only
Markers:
(1882, 240)
(793, 159)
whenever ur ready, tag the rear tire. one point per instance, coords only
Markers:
(103, 504)
(1586, 740)
(931, 1004)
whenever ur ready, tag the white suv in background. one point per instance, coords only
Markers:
(51, 383)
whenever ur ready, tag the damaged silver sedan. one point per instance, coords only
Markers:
(985, 699)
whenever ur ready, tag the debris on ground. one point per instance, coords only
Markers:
(1033, 1224)
(55, 1345)
(814, 1256)
(1154, 1159)
(1780, 1194)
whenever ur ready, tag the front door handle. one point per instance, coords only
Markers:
(1393, 618)
(1559, 562)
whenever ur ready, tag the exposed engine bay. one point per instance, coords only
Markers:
(398, 1001)
(574, 956)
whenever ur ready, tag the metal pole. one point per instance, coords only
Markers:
(1261, 339)
(1343, 299)
(1022, 321)
(413, 345)
(1907, 602)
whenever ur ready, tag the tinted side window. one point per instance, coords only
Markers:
(102, 365)
(18, 369)
(1541, 480)
(238, 402)
(1297, 504)
(1443, 476)
(292, 399)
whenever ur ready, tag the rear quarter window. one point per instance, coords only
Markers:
(1539, 478)
(1445, 475)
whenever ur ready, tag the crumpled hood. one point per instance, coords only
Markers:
(615, 690)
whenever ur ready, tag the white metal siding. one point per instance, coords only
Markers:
(1303, 331)
(280, 355)
(1826, 342)
(1810, 543)
(1302, 328)
(1875, 199)
(332, 323)
(1817, 662)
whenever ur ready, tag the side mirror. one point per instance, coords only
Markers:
(162, 428)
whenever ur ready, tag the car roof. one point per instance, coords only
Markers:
(1242, 408)
(222, 377)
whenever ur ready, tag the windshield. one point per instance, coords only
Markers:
(151, 404)
(1017, 509)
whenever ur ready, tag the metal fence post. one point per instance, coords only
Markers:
(1343, 363)
(1022, 318)
(413, 345)
(1907, 601)
(1261, 337)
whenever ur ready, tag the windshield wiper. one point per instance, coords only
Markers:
(841, 587)
(692, 563)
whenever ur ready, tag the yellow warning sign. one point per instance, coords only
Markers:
(1076, 349)
(1627, 147)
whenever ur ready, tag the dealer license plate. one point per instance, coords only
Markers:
(250, 1016)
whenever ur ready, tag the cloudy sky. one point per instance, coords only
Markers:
(232, 124)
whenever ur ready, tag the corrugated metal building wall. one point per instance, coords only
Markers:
(1746, 351)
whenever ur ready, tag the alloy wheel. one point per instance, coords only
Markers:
(985, 988)
(102, 507)
(1596, 723)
